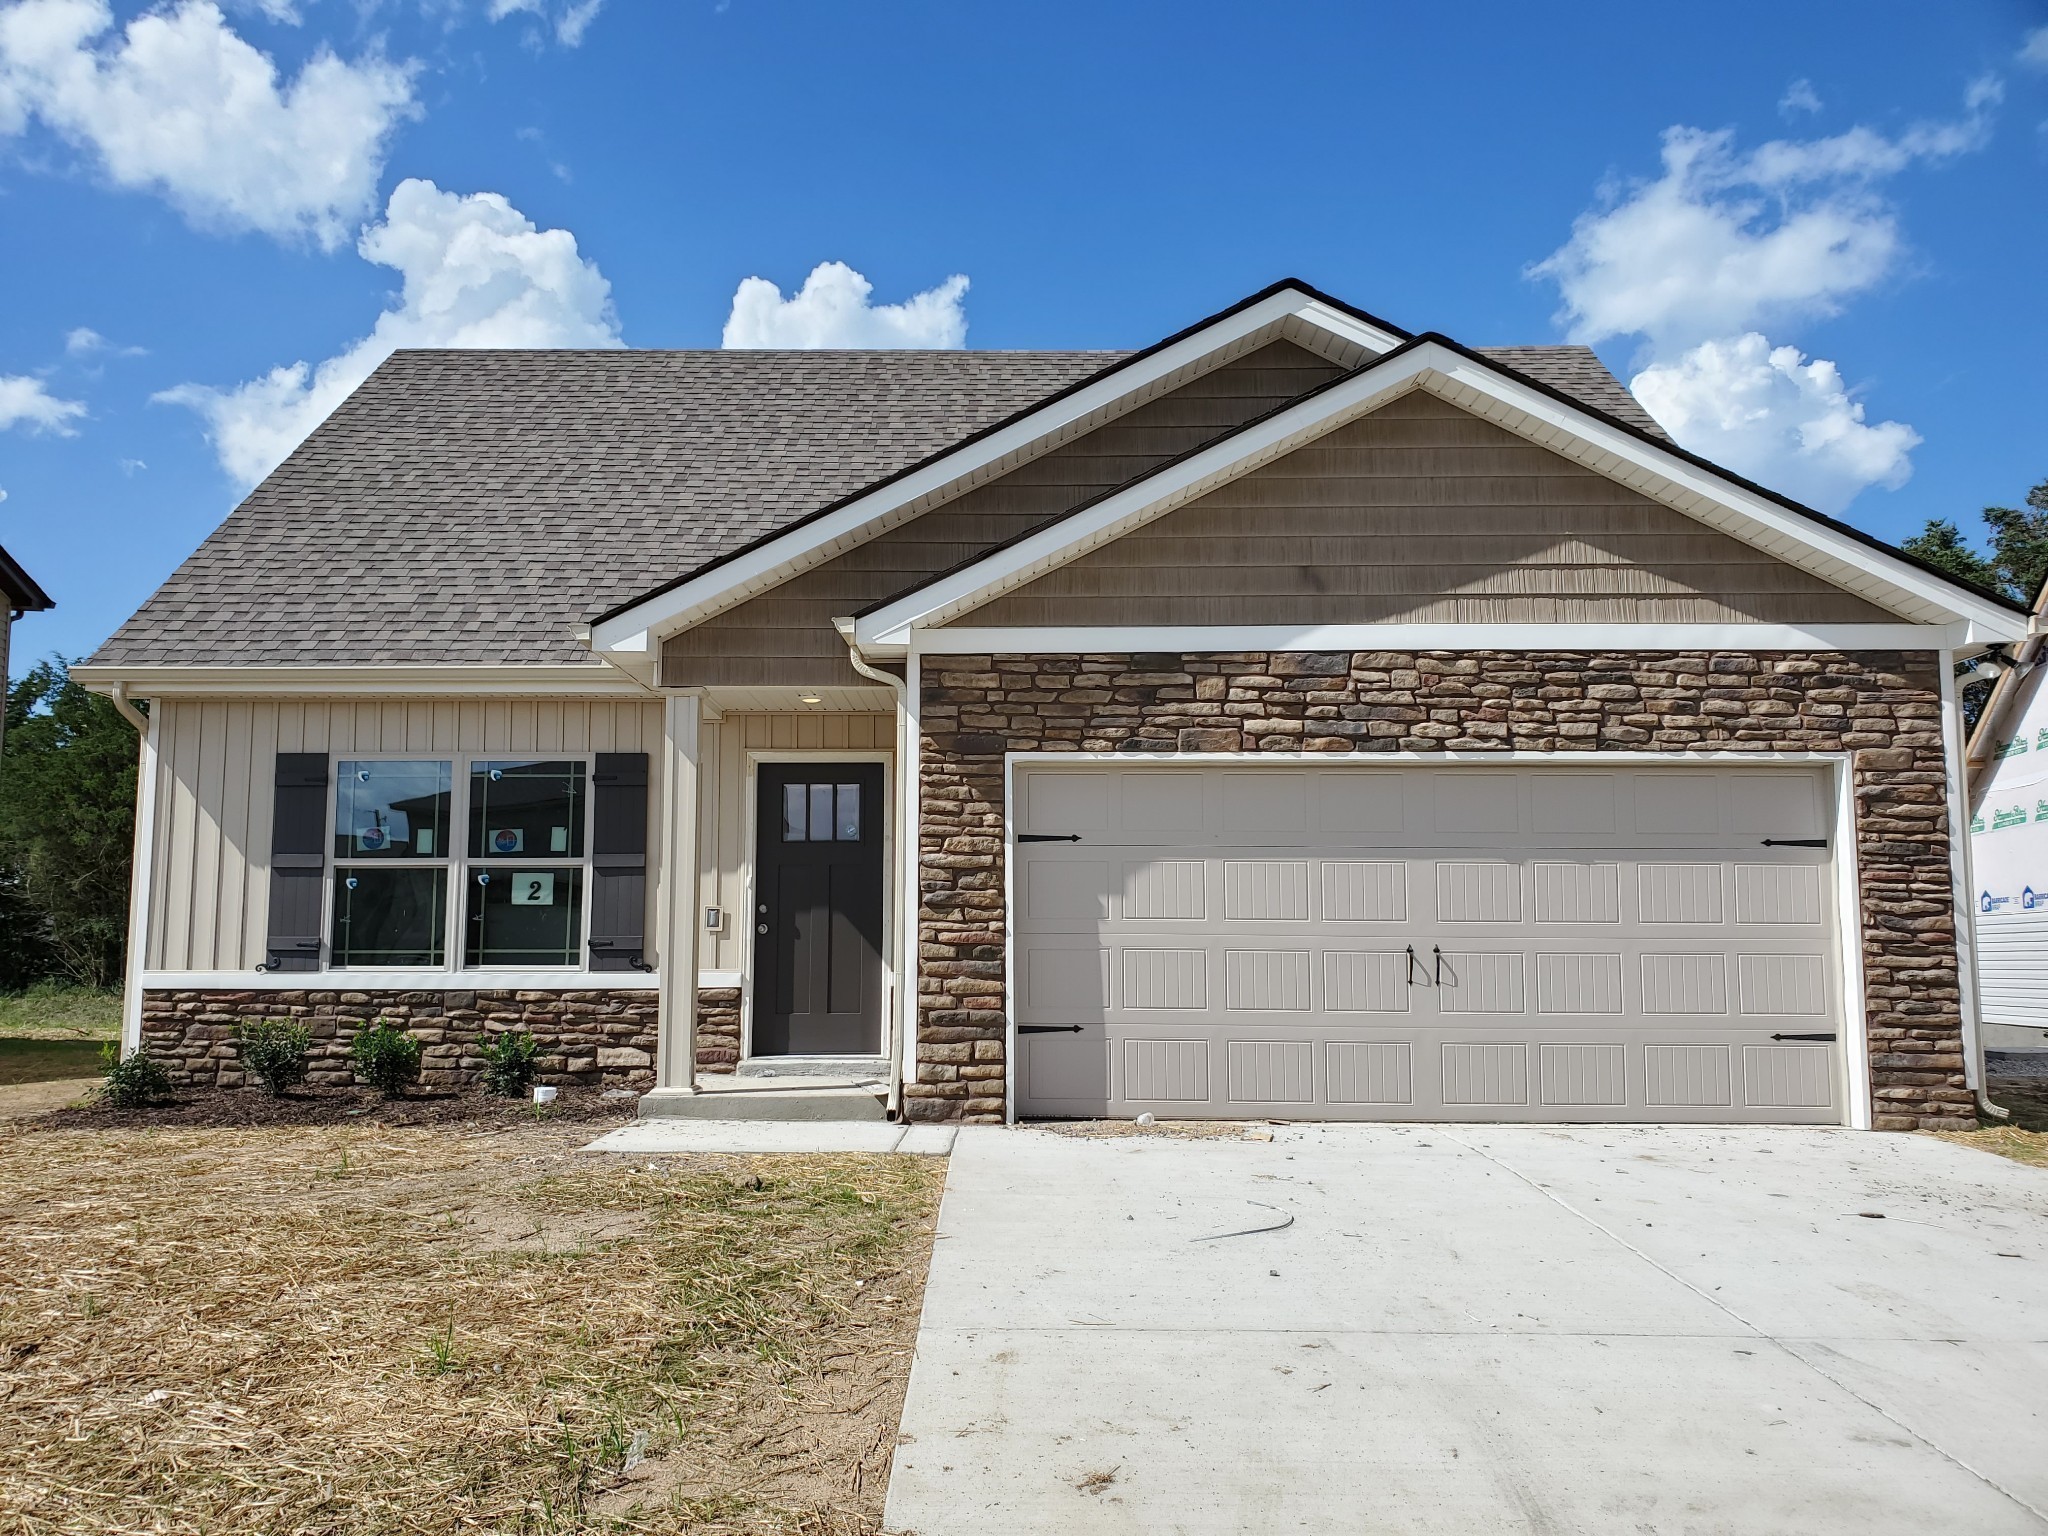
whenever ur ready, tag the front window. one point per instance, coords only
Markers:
(391, 824)
(526, 833)
(514, 845)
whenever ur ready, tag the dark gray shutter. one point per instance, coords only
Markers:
(618, 862)
(298, 861)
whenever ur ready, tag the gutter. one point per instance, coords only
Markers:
(902, 1006)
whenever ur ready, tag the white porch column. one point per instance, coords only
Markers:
(677, 909)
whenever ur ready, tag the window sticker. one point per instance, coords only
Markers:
(533, 889)
(558, 840)
(508, 840)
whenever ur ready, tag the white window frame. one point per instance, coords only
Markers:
(459, 866)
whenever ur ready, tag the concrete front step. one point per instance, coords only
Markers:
(848, 1068)
(756, 1098)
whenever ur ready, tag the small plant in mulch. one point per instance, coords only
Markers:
(134, 1081)
(385, 1057)
(277, 1051)
(510, 1060)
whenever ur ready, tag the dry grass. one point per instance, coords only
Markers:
(2015, 1142)
(371, 1329)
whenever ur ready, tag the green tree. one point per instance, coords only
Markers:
(67, 823)
(2019, 543)
(1941, 544)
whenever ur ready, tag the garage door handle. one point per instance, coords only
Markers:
(1048, 837)
(1438, 978)
(1803, 1037)
(1795, 842)
(1411, 965)
(1066, 1029)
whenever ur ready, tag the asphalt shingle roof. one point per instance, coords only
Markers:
(472, 507)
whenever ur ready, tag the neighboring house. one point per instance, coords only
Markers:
(23, 596)
(2008, 772)
(1297, 718)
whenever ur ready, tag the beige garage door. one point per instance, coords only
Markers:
(1455, 942)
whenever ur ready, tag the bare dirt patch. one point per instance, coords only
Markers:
(442, 1328)
(249, 1107)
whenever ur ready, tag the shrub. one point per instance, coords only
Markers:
(385, 1057)
(275, 1050)
(509, 1062)
(134, 1082)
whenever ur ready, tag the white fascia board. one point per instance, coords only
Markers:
(1648, 467)
(1114, 640)
(780, 558)
(160, 682)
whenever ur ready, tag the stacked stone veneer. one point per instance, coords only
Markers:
(1884, 707)
(594, 1039)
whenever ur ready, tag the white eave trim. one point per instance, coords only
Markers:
(146, 682)
(636, 630)
(1121, 639)
(1892, 583)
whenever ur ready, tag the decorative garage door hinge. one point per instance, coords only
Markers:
(1829, 1036)
(1048, 1029)
(1795, 842)
(1048, 837)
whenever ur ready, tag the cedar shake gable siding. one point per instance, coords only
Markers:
(1421, 512)
(1884, 707)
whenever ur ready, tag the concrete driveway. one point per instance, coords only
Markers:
(1480, 1330)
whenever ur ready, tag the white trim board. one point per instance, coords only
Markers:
(400, 981)
(1581, 435)
(1855, 1042)
(1111, 639)
(636, 630)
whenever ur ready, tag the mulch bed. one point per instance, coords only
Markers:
(201, 1107)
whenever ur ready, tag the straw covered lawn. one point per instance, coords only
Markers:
(442, 1329)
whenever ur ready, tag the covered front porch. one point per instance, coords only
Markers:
(780, 965)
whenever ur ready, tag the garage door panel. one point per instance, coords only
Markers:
(1248, 951)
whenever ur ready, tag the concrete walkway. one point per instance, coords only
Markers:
(1481, 1330)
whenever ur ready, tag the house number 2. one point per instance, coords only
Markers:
(532, 890)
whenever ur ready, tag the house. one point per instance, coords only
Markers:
(1299, 717)
(23, 596)
(2007, 770)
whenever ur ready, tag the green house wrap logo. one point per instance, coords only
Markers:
(2017, 747)
(2041, 810)
(2041, 739)
(2011, 816)
(1976, 823)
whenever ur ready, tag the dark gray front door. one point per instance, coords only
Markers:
(818, 911)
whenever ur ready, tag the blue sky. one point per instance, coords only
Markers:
(185, 193)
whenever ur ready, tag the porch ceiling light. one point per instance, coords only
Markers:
(810, 698)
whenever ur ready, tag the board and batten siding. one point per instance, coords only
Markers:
(1420, 512)
(786, 636)
(216, 767)
(725, 838)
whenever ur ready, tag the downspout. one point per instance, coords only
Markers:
(139, 868)
(901, 1010)
(135, 717)
(1963, 875)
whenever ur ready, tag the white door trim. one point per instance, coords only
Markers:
(750, 843)
(1849, 935)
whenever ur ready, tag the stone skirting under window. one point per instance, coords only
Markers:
(1884, 707)
(591, 1039)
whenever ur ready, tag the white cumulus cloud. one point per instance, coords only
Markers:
(84, 341)
(25, 402)
(833, 309)
(1781, 419)
(568, 19)
(178, 104)
(2034, 50)
(1800, 96)
(1725, 245)
(476, 273)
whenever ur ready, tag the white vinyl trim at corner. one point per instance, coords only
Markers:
(143, 864)
(1963, 886)
(1840, 765)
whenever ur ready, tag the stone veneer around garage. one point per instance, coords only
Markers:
(1884, 707)
(587, 1038)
